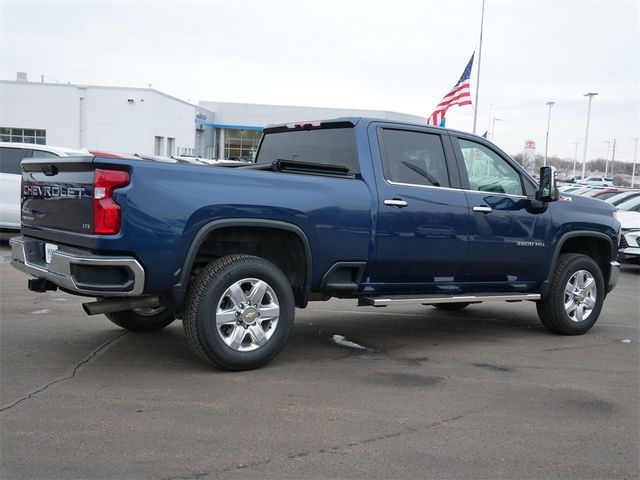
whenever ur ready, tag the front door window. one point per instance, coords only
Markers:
(488, 172)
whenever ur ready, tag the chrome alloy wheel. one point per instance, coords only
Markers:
(580, 295)
(247, 314)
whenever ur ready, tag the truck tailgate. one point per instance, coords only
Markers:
(58, 193)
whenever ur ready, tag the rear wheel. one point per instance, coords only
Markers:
(575, 297)
(451, 306)
(239, 312)
(142, 319)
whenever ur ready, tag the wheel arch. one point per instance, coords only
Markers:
(596, 245)
(226, 227)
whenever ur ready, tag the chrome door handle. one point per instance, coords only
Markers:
(483, 209)
(396, 203)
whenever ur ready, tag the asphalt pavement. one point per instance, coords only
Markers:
(402, 392)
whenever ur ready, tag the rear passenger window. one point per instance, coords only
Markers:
(414, 158)
(10, 159)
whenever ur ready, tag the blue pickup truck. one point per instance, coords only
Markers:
(379, 211)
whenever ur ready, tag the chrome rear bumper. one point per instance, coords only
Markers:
(78, 270)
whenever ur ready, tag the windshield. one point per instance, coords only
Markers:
(621, 197)
(632, 204)
(331, 146)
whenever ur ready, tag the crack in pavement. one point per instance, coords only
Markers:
(75, 370)
(577, 347)
(338, 448)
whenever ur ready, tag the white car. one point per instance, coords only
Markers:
(629, 250)
(598, 181)
(11, 154)
(622, 197)
(629, 217)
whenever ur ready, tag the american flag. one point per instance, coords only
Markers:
(459, 95)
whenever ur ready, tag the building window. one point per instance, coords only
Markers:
(23, 135)
(159, 146)
(171, 142)
(241, 144)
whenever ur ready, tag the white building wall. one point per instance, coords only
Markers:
(54, 108)
(107, 120)
(114, 123)
(255, 115)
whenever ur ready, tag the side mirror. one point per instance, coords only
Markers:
(548, 191)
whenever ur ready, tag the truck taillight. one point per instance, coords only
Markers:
(106, 212)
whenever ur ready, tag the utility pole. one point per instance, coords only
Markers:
(475, 106)
(493, 129)
(575, 158)
(635, 158)
(606, 160)
(586, 135)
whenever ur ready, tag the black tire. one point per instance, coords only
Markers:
(452, 307)
(234, 345)
(551, 309)
(142, 320)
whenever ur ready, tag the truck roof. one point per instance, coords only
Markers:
(346, 122)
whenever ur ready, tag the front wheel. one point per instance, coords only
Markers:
(575, 297)
(142, 319)
(239, 312)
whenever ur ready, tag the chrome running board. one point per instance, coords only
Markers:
(433, 299)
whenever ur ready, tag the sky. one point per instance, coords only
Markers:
(395, 55)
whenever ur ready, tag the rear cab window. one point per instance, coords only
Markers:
(325, 146)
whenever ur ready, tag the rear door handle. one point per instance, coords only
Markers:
(483, 209)
(396, 202)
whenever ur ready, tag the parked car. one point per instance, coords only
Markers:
(382, 212)
(631, 204)
(573, 180)
(603, 194)
(598, 181)
(582, 190)
(568, 188)
(621, 197)
(11, 154)
(629, 248)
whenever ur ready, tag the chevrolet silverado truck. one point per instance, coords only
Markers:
(379, 211)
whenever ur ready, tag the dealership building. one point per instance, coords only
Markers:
(145, 120)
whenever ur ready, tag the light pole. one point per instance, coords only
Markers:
(493, 128)
(635, 158)
(586, 135)
(575, 158)
(606, 160)
(613, 156)
(546, 144)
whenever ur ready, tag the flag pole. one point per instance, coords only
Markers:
(475, 106)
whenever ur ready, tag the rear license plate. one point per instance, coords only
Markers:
(49, 248)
